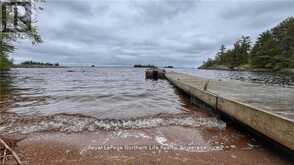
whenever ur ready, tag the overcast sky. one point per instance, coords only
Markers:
(161, 32)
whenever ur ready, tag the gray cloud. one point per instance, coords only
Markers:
(160, 11)
(160, 32)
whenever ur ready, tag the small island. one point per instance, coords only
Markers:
(272, 51)
(169, 67)
(34, 64)
(144, 66)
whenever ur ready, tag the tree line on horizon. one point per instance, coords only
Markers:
(32, 63)
(273, 50)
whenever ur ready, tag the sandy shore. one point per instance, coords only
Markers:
(147, 146)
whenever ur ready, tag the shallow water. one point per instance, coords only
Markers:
(89, 99)
(101, 93)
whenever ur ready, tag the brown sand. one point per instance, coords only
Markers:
(83, 148)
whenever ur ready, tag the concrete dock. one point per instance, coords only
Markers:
(267, 109)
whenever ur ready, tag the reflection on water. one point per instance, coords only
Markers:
(6, 87)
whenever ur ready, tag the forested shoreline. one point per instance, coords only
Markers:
(273, 51)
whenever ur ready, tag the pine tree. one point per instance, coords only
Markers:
(220, 55)
(265, 51)
(7, 42)
(284, 35)
(274, 49)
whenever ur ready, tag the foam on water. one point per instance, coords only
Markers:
(69, 123)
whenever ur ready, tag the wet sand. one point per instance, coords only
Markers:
(158, 146)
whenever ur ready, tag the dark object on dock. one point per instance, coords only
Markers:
(206, 85)
(155, 74)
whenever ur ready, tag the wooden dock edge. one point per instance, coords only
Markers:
(275, 127)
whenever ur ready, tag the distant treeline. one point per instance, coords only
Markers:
(41, 64)
(170, 67)
(274, 50)
(144, 66)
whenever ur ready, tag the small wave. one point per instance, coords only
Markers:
(77, 123)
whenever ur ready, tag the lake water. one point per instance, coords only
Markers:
(118, 106)
(83, 99)
(103, 98)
